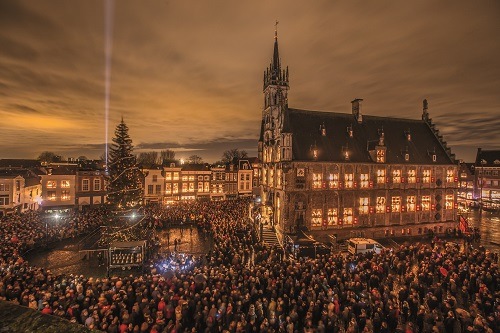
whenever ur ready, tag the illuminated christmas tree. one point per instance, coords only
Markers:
(124, 177)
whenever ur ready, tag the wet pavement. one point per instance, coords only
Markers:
(489, 227)
(64, 258)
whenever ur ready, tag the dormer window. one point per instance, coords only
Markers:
(349, 131)
(381, 139)
(434, 158)
(345, 153)
(380, 155)
(407, 157)
(322, 129)
(314, 151)
(408, 135)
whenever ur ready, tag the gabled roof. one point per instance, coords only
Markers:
(488, 158)
(11, 173)
(30, 178)
(19, 163)
(305, 126)
(62, 170)
(195, 167)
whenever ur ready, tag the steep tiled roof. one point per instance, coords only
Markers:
(19, 163)
(305, 126)
(491, 158)
(195, 167)
(30, 178)
(63, 170)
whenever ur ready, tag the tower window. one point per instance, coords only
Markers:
(380, 156)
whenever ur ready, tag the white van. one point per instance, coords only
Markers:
(363, 245)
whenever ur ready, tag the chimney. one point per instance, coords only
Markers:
(356, 108)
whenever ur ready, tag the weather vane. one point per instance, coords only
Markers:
(276, 29)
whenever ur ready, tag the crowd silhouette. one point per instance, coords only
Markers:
(242, 285)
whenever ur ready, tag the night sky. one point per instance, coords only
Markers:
(187, 75)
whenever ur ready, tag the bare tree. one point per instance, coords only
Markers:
(195, 159)
(49, 157)
(233, 154)
(148, 158)
(167, 155)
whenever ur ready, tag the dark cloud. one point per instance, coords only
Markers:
(189, 73)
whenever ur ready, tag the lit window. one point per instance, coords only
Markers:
(380, 176)
(65, 195)
(184, 178)
(410, 203)
(380, 156)
(4, 187)
(332, 216)
(426, 203)
(348, 177)
(396, 176)
(176, 176)
(51, 195)
(396, 204)
(200, 187)
(52, 184)
(175, 188)
(364, 180)
(347, 215)
(412, 173)
(380, 205)
(64, 183)
(97, 184)
(191, 187)
(449, 201)
(184, 187)
(317, 180)
(4, 200)
(168, 176)
(271, 177)
(168, 188)
(316, 217)
(207, 187)
(426, 176)
(85, 184)
(450, 176)
(207, 178)
(363, 205)
(333, 180)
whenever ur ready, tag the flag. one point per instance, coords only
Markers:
(464, 224)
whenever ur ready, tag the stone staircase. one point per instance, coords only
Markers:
(269, 237)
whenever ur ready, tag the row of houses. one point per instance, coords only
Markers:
(480, 181)
(28, 185)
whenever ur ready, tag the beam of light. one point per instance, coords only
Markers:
(108, 51)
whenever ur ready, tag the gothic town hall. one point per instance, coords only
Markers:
(351, 174)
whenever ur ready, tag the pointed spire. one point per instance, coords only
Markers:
(276, 55)
(425, 110)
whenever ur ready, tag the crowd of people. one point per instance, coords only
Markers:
(242, 285)
(34, 229)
